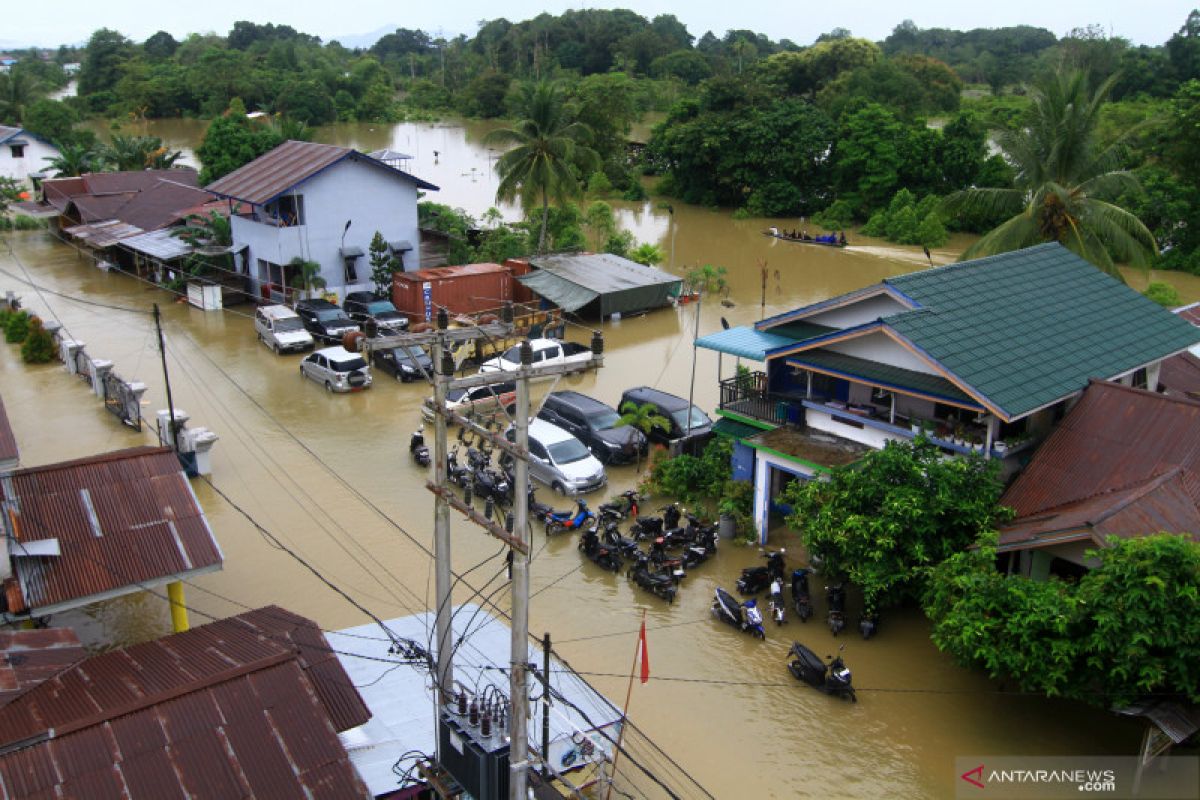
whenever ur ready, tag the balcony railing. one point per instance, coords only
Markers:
(747, 395)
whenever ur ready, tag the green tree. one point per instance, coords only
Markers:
(18, 90)
(103, 58)
(880, 521)
(868, 158)
(645, 418)
(38, 347)
(74, 160)
(381, 264)
(545, 144)
(1164, 294)
(306, 275)
(124, 153)
(308, 101)
(231, 141)
(50, 119)
(1065, 182)
(648, 254)
(16, 327)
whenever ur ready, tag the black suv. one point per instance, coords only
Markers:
(403, 365)
(674, 408)
(325, 321)
(594, 424)
(362, 306)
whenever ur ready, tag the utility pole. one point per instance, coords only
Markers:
(443, 371)
(162, 352)
(692, 385)
(518, 753)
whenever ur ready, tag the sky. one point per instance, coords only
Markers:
(72, 21)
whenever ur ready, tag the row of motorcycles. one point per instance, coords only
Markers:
(673, 548)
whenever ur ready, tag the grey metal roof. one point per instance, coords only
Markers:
(572, 280)
(401, 703)
(104, 233)
(274, 173)
(162, 244)
(389, 155)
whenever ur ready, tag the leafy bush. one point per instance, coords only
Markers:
(839, 215)
(693, 479)
(38, 347)
(16, 327)
(931, 232)
(1164, 294)
(599, 185)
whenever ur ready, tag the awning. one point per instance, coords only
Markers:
(563, 293)
(744, 342)
(734, 429)
(351, 252)
(400, 246)
(162, 244)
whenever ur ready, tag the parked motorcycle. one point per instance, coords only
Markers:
(743, 616)
(832, 678)
(560, 521)
(777, 605)
(598, 552)
(755, 579)
(649, 578)
(645, 528)
(868, 623)
(835, 596)
(626, 505)
(801, 599)
(417, 448)
(611, 535)
(458, 474)
(699, 552)
(489, 482)
(668, 564)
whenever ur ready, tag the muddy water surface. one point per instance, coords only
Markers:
(330, 477)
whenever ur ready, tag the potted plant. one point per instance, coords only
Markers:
(736, 508)
(1000, 446)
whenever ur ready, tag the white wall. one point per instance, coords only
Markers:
(872, 437)
(763, 463)
(867, 310)
(33, 162)
(881, 349)
(371, 198)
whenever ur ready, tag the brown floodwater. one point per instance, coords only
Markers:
(330, 476)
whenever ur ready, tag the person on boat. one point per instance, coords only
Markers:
(804, 235)
(842, 238)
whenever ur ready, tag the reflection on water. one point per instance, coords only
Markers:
(331, 477)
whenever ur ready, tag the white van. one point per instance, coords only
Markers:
(281, 329)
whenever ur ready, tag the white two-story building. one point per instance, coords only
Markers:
(25, 157)
(318, 203)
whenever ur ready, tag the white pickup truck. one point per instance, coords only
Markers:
(546, 352)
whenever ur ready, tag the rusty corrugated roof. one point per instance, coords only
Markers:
(235, 708)
(442, 273)
(289, 164)
(1123, 462)
(123, 520)
(9, 454)
(1180, 376)
(28, 658)
(161, 204)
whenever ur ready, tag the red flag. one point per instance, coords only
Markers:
(645, 654)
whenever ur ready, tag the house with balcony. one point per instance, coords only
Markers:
(983, 355)
(319, 203)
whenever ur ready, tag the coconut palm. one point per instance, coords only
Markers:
(547, 146)
(306, 275)
(1065, 182)
(17, 90)
(74, 160)
(645, 418)
(138, 152)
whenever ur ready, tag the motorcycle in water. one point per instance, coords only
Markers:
(598, 552)
(627, 547)
(652, 527)
(832, 678)
(626, 505)
(868, 623)
(672, 566)
(801, 599)
(539, 511)
(743, 616)
(458, 474)
(777, 605)
(560, 521)
(835, 595)
(489, 483)
(417, 448)
(704, 547)
(662, 585)
(755, 579)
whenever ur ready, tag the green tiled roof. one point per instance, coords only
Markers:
(1029, 327)
(746, 342)
(885, 374)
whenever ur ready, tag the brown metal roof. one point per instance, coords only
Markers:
(235, 708)
(137, 180)
(1190, 312)
(9, 454)
(441, 273)
(161, 204)
(122, 520)
(1123, 462)
(289, 164)
(104, 233)
(28, 658)
(88, 208)
(1180, 376)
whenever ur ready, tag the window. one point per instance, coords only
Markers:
(290, 210)
(1139, 379)
(351, 271)
(536, 450)
(18, 150)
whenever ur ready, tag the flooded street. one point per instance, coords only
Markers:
(331, 478)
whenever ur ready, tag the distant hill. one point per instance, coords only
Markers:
(363, 40)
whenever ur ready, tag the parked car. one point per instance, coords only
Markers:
(478, 401)
(413, 364)
(362, 306)
(674, 408)
(594, 424)
(281, 329)
(338, 369)
(325, 321)
(561, 461)
(545, 353)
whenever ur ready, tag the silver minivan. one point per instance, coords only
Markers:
(338, 369)
(560, 460)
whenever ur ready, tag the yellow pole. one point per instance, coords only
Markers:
(179, 616)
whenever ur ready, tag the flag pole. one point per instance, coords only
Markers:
(637, 651)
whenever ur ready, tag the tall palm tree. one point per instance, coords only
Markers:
(18, 89)
(547, 146)
(74, 160)
(1065, 182)
(645, 418)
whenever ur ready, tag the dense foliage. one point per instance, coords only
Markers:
(881, 521)
(1128, 628)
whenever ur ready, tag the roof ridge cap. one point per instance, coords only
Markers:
(1186, 401)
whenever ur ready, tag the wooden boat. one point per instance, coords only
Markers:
(800, 240)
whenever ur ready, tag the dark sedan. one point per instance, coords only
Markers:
(403, 366)
(595, 424)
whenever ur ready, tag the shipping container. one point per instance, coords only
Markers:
(466, 289)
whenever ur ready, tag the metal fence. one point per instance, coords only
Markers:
(121, 401)
(83, 366)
